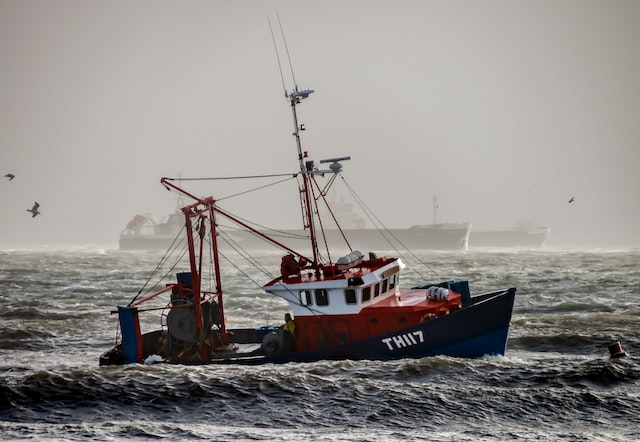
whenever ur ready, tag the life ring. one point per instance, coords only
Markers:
(271, 343)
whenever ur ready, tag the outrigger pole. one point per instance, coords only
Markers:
(210, 202)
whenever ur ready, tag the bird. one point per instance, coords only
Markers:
(10, 176)
(34, 210)
(571, 200)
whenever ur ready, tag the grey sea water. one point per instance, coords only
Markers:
(556, 381)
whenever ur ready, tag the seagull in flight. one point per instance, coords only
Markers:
(10, 176)
(34, 210)
(572, 199)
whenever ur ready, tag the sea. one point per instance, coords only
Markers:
(556, 380)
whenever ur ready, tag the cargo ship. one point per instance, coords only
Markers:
(524, 236)
(144, 233)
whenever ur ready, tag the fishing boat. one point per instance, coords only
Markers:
(348, 306)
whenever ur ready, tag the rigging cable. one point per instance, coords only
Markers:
(237, 177)
(382, 228)
(275, 47)
(243, 252)
(286, 47)
(288, 175)
(254, 189)
(170, 250)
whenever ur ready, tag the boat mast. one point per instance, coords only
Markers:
(195, 270)
(306, 169)
(203, 208)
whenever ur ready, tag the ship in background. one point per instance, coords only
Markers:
(143, 233)
(525, 235)
(434, 236)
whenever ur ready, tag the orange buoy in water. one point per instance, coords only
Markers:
(616, 351)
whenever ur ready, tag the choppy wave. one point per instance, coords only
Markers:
(428, 395)
(555, 382)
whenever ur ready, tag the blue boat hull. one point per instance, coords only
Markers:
(481, 328)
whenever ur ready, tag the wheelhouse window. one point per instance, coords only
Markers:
(305, 297)
(366, 294)
(376, 290)
(322, 298)
(385, 285)
(393, 281)
(350, 296)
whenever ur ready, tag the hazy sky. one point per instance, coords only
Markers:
(504, 109)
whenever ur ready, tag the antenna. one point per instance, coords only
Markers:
(275, 47)
(435, 207)
(286, 47)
